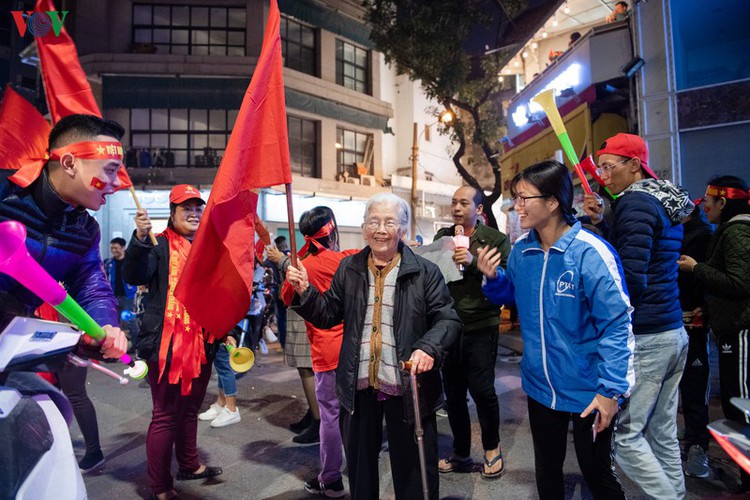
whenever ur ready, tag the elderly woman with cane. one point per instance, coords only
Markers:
(395, 307)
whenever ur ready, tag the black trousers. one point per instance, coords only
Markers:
(362, 434)
(733, 379)
(694, 388)
(733, 363)
(470, 365)
(72, 380)
(549, 431)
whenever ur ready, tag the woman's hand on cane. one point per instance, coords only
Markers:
(421, 362)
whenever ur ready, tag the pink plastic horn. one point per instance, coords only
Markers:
(16, 262)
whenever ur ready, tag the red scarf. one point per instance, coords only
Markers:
(183, 333)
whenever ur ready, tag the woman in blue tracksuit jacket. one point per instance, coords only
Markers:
(575, 317)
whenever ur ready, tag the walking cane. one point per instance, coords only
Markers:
(418, 431)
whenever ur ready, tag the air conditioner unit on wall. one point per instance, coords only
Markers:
(368, 180)
(352, 180)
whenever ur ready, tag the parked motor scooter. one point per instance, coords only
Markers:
(734, 436)
(36, 458)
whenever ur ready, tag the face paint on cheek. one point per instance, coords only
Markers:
(98, 183)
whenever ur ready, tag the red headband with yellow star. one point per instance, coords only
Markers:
(90, 150)
(728, 193)
(86, 150)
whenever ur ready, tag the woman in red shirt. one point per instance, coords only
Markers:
(322, 257)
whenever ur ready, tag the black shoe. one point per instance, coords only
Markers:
(311, 434)
(207, 472)
(331, 490)
(303, 424)
(91, 461)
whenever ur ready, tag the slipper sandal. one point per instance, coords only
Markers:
(208, 472)
(489, 464)
(455, 463)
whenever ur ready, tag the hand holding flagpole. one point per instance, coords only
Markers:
(138, 207)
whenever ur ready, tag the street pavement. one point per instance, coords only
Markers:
(260, 461)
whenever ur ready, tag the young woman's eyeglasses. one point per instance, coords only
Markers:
(607, 168)
(521, 200)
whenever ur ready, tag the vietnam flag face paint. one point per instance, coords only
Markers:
(98, 183)
(98, 163)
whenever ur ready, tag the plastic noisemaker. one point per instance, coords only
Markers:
(546, 99)
(16, 262)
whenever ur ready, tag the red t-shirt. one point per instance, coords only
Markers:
(324, 344)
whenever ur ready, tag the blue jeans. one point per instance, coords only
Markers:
(227, 382)
(646, 436)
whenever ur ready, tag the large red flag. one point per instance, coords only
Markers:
(65, 84)
(16, 115)
(216, 284)
(67, 90)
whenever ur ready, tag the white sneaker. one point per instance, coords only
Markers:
(226, 417)
(212, 412)
(269, 335)
(263, 346)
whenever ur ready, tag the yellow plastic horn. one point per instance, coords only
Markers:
(241, 359)
(546, 99)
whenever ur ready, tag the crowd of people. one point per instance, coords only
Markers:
(615, 306)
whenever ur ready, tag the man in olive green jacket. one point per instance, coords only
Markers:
(470, 363)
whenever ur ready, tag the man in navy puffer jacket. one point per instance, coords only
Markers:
(646, 232)
(64, 238)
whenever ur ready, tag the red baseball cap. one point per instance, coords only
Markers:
(629, 146)
(183, 192)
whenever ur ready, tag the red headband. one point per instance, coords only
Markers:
(90, 150)
(728, 193)
(327, 229)
(86, 150)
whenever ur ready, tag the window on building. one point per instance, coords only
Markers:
(351, 151)
(179, 137)
(299, 46)
(193, 30)
(352, 67)
(303, 146)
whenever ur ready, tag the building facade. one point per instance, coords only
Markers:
(174, 75)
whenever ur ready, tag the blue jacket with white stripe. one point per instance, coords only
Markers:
(575, 318)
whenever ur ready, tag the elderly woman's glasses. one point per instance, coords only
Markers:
(374, 224)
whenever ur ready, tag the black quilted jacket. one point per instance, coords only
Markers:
(726, 276)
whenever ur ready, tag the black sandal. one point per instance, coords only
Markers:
(454, 463)
(207, 472)
(489, 464)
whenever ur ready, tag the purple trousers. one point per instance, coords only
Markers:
(174, 425)
(331, 448)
